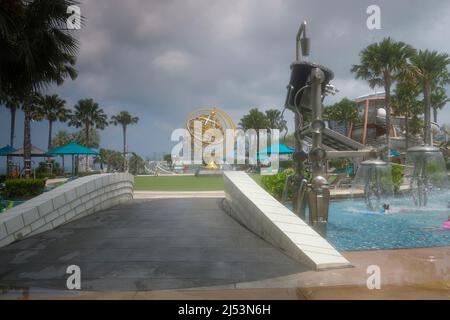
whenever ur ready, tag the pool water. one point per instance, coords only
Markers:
(5, 205)
(351, 227)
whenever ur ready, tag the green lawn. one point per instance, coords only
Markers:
(182, 183)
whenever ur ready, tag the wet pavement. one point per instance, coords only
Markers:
(145, 245)
(191, 249)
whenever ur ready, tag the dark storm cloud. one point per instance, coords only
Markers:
(162, 59)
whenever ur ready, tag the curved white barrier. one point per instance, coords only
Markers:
(64, 204)
(264, 215)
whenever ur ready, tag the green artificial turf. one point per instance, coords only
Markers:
(178, 183)
(182, 183)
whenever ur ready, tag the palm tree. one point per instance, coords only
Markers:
(79, 137)
(112, 159)
(429, 69)
(32, 112)
(255, 120)
(405, 102)
(12, 104)
(60, 139)
(103, 158)
(10, 15)
(381, 65)
(345, 111)
(88, 115)
(275, 120)
(137, 164)
(124, 119)
(439, 99)
(53, 109)
(36, 50)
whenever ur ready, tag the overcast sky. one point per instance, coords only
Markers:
(162, 59)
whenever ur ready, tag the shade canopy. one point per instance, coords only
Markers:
(72, 149)
(6, 151)
(394, 153)
(35, 152)
(282, 149)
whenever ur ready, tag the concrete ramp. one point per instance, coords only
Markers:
(264, 215)
(145, 245)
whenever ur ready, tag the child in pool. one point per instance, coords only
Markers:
(446, 224)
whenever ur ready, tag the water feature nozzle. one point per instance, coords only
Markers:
(303, 43)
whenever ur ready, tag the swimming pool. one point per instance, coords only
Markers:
(351, 227)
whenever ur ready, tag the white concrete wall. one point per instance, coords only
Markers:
(264, 215)
(64, 204)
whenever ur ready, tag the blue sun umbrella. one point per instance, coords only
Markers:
(72, 149)
(6, 151)
(394, 153)
(282, 149)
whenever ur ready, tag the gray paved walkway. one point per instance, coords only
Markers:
(146, 245)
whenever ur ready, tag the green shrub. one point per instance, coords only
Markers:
(397, 176)
(49, 169)
(24, 188)
(275, 184)
(45, 176)
(436, 174)
(286, 164)
(338, 164)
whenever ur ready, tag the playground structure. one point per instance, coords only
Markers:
(308, 87)
(309, 84)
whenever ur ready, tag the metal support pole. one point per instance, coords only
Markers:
(319, 195)
(317, 77)
(299, 183)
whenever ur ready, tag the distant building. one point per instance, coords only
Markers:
(337, 126)
(371, 130)
(372, 113)
(373, 120)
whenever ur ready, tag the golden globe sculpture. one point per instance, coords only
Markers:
(211, 119)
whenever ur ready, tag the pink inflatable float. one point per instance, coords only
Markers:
(446, 225)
